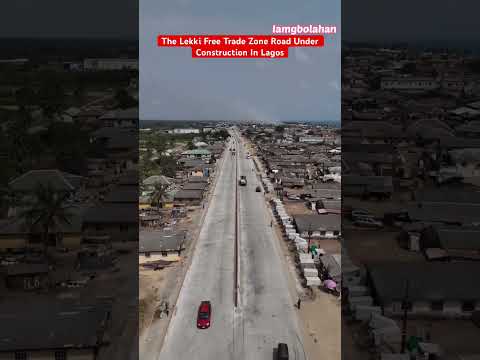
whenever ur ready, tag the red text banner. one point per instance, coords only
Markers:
(240, 46)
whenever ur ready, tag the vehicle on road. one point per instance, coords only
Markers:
(282, 351)
(242, 181)
(204, 315)
(360, 213)
(258, 189)
(368, 222)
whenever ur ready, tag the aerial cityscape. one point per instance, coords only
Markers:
(239, 238)
(68, 205)
(410, 157)
(322, 203)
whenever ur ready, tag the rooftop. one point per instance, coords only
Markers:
(48, 325)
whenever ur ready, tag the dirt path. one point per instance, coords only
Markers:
(321, 324)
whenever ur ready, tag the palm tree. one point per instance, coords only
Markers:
(25, 97)
(158, 193)
(46, 208)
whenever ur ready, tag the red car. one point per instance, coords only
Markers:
(204, 315)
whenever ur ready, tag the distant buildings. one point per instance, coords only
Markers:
(311, 139)
(197, 153)
(184, 131)
(110, 64)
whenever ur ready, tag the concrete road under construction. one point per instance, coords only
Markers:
(237, 266)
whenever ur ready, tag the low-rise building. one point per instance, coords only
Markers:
(110, 64)
(318, 226)
(188, 197)
(156, 245)
(436, 290)
(409, 83)
(53, 330)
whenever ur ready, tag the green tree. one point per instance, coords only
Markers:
(52, 97)
(80, 92)
(158, 193)
(158, 144)
(408, 68)
(19, 143)
(46, 209)
(190, 145)
(474, 66)
(25, 97)
(124, 99)
(167, 166)
(69, 144)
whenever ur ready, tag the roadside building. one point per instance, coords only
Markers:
(59, 181)
(198, 179)
(156, 245)
(367, 186)
(28, 277)
(16, 235)
(318, 226)
(188, 197)
(437, 290)
(112, 222)
(195, 186)
(451, 242)
(197, 153)
(49, 330)
(120, 118)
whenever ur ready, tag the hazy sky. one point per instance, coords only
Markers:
(448, 21)
(173, 86)
(64, 18)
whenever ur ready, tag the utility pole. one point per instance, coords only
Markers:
(405, 313)
(309, 237)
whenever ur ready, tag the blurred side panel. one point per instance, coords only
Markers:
(410, 180)
(69, 180)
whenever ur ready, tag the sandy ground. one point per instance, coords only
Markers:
(151, 291)
(158, 286)
(297, 208)
(366, 246)
(321, 324)
(319, 317)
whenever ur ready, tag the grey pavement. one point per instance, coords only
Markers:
(210, 277)
(266, 305)
(265, 315)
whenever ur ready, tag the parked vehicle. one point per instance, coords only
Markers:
(360, 213)
(396, 218)
(368, 222)
(258, 189)
(204, 315)
(242, 181)
(294, 197)
(282, 351)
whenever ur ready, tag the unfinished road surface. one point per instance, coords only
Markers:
(265, 314)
